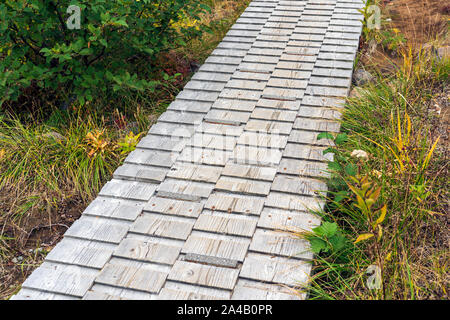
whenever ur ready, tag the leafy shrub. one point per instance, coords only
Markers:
(114, 49)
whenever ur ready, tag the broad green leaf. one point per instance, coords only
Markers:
(351, 169)
(341, 195)
(325, 135)
(334, 166)
(317, 245)
(338, 242)
(327, 229)
(341, 138)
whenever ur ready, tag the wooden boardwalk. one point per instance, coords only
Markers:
(196, 210)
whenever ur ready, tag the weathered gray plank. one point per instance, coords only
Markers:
(291, 74)
(287, 83)
(232, 116)
(298, 185)
(198, 95)
(141, 277)
(100, 229)
(267, 268)
(268, 126)
(308, 137)
(306, 152)
(205, 156)
(173, 207)
(140, 173)
(246, 84)
(292, 65)
(147, 251)
(226, 224)
(162, 226)
(279, 219)
(316, 125)
(240, 94)
(209, 141)
(184, 117)
(213, 76)
(303, 168)
(227, 60)
(60, 278)
(262, 59)
(326, 91)
(32, 294)
(217, 246)
(256, 155)
(293, 202)
(280, 243)
(220, 129)
(249, 172)
(243, 186)
(94, 295)
(274, 115)
(172, 129)
(151, 141)
(279, 104)
(318, 112)
(239, 105)
(170, 294)
(186, 187)
(283, 94)
(210, 276)
(332, 72)
(230, 204)
(323, 102)
(267, 52)
(128, 190)
(151, 158)
(117, 293)
(186, 171)
(197, 290)
(81, 252)
(253, 290)
(114, 208)
(197, 106)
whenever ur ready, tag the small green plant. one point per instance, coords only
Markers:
(328, 240)
(391, 39)
(129, 142)
(341, 163)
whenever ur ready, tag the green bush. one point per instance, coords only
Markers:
(114, 49)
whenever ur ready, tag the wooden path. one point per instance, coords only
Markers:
(195, 211)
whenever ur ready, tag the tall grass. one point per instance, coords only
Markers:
(389, 197)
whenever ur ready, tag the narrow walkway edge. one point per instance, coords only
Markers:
(196, 210)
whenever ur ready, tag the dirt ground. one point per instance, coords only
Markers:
(34, 237)
(421, 21)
